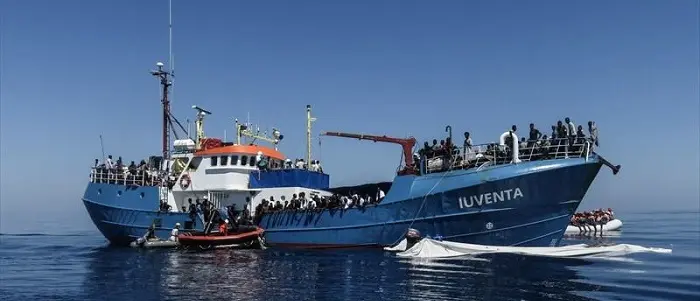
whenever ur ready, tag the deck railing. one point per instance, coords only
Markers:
(482, 155)
(124, 177)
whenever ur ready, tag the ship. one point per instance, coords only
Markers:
(492, 194)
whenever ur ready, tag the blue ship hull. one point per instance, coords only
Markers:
(459, 206)
(123, 213)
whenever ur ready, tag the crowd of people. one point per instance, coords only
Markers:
(114, 172)
(315, 165)
(566, 138)
(317, 203)
(587, 219)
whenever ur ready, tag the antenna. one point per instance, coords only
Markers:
(102, 145)
(164, 77)
(309, 120)
(171, 60)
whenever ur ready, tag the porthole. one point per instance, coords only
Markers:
(99, 191)
(119, 193)
(142, 195)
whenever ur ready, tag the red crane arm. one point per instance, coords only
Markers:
(406, 143)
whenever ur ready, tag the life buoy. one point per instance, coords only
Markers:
(185, 181)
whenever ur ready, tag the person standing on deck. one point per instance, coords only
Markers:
(593, 132)
(535, 135)
(192, 210)
(175, 232)
(467, 147)
(571, 130)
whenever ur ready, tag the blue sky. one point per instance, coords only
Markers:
(72, 70)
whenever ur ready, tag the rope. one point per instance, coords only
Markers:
(425, 198)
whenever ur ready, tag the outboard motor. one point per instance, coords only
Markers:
(412, 237)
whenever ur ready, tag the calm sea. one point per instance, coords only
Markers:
(78, 265)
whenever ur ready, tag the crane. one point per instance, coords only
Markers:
(407, 145)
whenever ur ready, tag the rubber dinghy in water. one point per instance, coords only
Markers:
(613, 225)
(154, 243)
(428, 248)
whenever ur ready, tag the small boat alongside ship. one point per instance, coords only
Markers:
(491, 194)
(244, 237)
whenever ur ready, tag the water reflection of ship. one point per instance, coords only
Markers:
(498, 276)
(122, 274)
(286, 275)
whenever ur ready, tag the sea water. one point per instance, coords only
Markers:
(75, 263)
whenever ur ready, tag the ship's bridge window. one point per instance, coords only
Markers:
(224, 160)
(194, 164)
(234, 159)
(252, 161)
(244, 160)
(214, 161)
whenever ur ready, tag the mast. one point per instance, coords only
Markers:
(309, 120)
(165, 82)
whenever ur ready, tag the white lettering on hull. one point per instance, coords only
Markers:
(490, 198)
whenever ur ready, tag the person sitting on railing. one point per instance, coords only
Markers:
(321, 202)
(311, 205)
(593, 132)
(345, 202)
(278, 206)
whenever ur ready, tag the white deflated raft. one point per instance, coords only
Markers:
(613, 225)
(151, 244)
(428, 248)
(400, 247)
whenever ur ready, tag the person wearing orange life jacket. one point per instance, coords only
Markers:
(223, 227)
